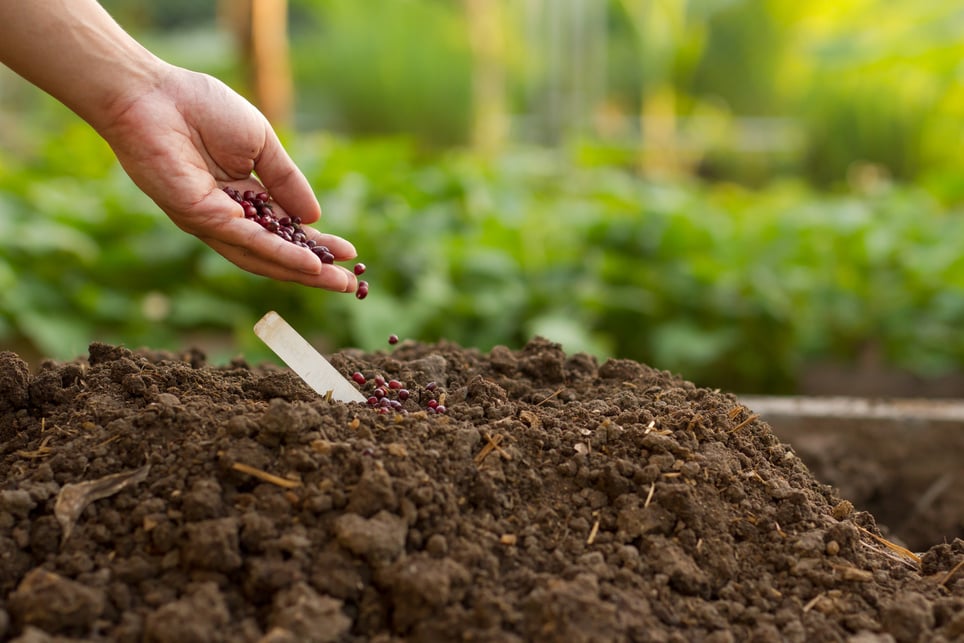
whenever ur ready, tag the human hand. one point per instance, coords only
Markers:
(189, 136)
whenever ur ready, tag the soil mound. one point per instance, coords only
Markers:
(153, 497)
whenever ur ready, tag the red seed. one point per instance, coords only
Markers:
(394, 384)
(359, 378)
(432, 404)
(403, 394)
(359, 268)
(379, 380)
(380, 392)
(440, 409)
(393, 339)
(431, 386)
(362, 291)
(372, 401)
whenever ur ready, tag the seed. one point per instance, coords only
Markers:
(379, 392)
(394, 384)
(393, 339)
(379, 380)
(431, 386)
(372, 401)
(440, 409)
(359, 268)
(362, 291)
(403, 394)
(432, 404)
(358, 378)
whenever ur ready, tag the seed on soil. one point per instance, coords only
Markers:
(392, 394)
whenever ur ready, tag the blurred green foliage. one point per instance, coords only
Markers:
(824, 215)
(364, 76)
(731, 287)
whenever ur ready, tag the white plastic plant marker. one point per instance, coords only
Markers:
(301, 357)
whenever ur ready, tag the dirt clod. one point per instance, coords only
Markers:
(558, 499)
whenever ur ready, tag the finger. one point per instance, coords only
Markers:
(284, 181)
(329, 276)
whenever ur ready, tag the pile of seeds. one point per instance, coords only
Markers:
(393, 396)
(257, 207)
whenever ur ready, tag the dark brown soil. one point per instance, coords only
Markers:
(558, 500)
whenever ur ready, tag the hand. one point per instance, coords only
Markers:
(188, 136)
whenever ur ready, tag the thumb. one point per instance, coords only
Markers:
(284, 181)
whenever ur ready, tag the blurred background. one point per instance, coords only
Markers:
(761, 196)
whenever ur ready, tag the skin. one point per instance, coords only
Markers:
(179, 135)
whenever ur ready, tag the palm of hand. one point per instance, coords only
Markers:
(182, 142)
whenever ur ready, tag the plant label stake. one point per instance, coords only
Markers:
(295, 351)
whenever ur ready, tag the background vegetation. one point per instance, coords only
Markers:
(731, 190)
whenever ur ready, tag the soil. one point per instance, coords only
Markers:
(150, 496)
